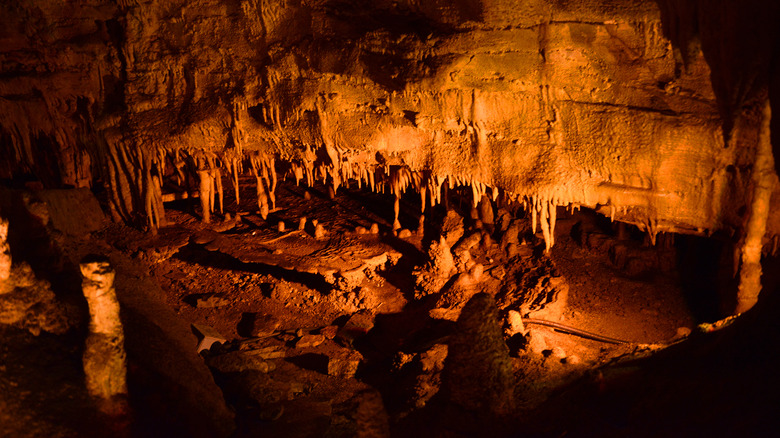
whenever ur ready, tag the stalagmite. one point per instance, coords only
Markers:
(265, 174)
(399, 181)
(486, 210)
(5, 254)
(105, 362)
(319, 231)
(204, 189)
(262, 199)
(764, 181)
(216, 176)
(396, 211)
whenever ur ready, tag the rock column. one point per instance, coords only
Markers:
(764, 180)
(105, 361)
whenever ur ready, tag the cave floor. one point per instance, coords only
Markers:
(256, 270)
(298, 313)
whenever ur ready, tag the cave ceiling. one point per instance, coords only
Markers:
(644, 110)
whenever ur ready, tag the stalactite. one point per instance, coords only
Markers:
(553, 216)
(233, 161)
(271, 165)
(216, 176)
(152, 190)
(263, 169)
(545, 224)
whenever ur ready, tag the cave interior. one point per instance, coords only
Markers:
(296, 218)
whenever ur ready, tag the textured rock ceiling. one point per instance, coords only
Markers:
(558, 102)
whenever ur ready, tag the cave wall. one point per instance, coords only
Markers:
(607, 104)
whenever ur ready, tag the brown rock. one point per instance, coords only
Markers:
(330, 331)
(238, 361)
(307, 341)
(356, 326)
(478, 374)
(343, 362)
(258, 325)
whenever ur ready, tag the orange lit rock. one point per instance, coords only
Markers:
(105, 361)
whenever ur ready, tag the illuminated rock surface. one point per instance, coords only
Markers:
(598, 164)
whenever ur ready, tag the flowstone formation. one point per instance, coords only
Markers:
(550, 102)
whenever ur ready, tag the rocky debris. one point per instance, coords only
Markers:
(302, 224)
(343, 362)
(29, 303)
(469, 242)
(371, 419)
(432, 360)
(258, 325)
(452, 228)
(514, 323)
(204, 237)
(357, 326)
(374, 228)
(417, 376)
(266, 352)
(25, 300)
(478, 372)
(437, 271)
(503, 221)
(308, 341)
(283, 291)
(456, 295)
(682, 332)
(208, 300)
(207, 337)
(404, 233)
(239, 361)
(535, 342)
(534, 288)
(330, 331)
(486, 215)
(354, 299)
(558, 353)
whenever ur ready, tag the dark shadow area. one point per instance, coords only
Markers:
(50, 370)
(28, 237)
(719, 384)
(311, 361)
(161, 406)
(705, 274)
(194, 253)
